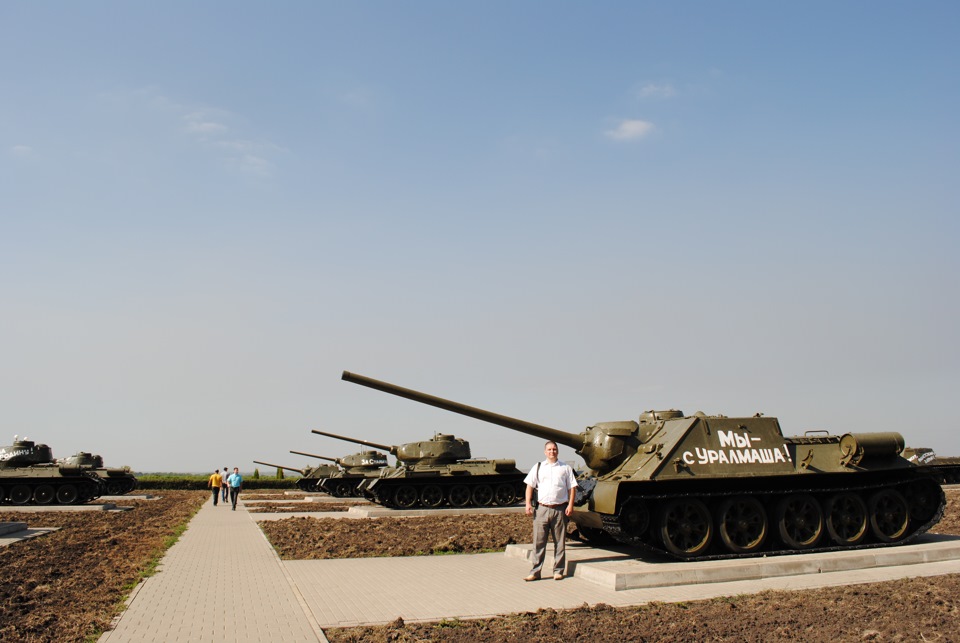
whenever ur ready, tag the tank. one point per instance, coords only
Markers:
(344, 482)
(30, 476)
(309, 476)
(439, 472)
(700, 486)
(946, 469)
(117, 480)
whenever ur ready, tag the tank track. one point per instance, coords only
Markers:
(436, 492)
(53, 490)
(342, 487)
(612, 526)
(947, 473)
(309, 484)
(117, 485)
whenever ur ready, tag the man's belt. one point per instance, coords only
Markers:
(562, 504)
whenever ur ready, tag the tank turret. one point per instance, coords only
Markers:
(670, 483)
(355, 463)
(441, 449)
(23, 453)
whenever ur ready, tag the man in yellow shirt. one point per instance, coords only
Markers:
(215, 481)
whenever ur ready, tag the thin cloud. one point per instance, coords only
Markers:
(198, 123)
(21, 150)
(211, 128)
(630, 130)
(362, 98)
(252, 164)
(249, 157)
(653, 90)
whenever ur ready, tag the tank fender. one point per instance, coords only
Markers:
(604, 498)
(587, 519)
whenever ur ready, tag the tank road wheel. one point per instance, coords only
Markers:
(846, 518)
(88, 491)
(20, 494)
(799, 521)
(923, 497)
(889, 515)
(67, 494)
(44, 494)
(114, 488)
(482, 495)
(405, 496)
(459, 495)
(742, 523)
(504, 495)
(686, 528)
(342, 489)
(634, 518)
(431, 496)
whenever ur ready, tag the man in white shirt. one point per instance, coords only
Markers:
(556, 487)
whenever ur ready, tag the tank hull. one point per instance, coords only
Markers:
(346, 485)
(38, 485)
(117, 482)
(438, 487)
(762, 516)
(308, 484)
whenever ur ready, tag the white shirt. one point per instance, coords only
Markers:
(553, 482)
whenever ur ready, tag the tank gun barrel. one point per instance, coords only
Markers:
(573, 440)
(375, 445)
(279, 466)
(313, 455)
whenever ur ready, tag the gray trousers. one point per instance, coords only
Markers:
(552, 522)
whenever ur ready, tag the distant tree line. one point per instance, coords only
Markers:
(187, 481)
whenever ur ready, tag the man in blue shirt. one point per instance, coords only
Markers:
(236, 482)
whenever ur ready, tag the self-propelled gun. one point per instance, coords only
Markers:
(710, 486)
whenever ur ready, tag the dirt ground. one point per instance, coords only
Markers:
(305, 538)
(68, 585)
(920, 609)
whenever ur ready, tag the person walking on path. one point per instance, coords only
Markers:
(556, 486)
(236, 482)
(215, 482)
(225, 487)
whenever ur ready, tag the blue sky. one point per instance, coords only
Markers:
(565, 212)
